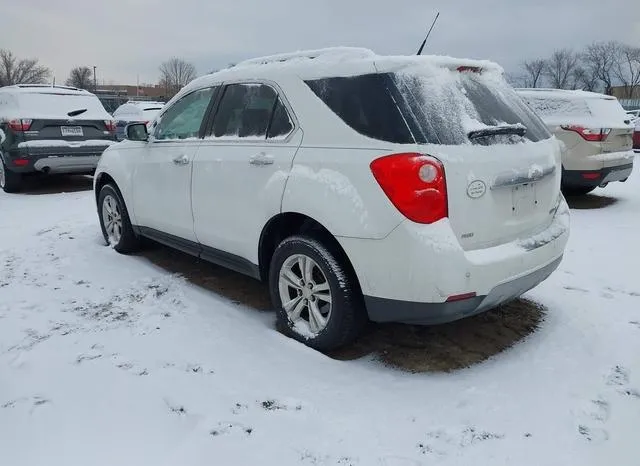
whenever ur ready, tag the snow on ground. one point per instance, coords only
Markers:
(108, 359)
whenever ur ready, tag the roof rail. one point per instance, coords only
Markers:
(48, 86)
(346, 52)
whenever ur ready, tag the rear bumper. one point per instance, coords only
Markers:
(593, 178)
(408, 312)
(55, 159)
(410, 275)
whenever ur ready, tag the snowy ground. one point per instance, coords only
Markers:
(113, 360)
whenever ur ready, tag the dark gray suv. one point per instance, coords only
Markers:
(48, 130)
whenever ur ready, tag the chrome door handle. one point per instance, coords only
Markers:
(181, 160)
(261, 159)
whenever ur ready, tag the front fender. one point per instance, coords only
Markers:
(119, 162)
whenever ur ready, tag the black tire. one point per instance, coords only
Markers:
(347, 316)
(577, 190)
(11, 182)
(128, 241)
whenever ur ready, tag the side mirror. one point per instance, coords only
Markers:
(137, 132)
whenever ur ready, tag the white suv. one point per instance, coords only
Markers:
(409, 189)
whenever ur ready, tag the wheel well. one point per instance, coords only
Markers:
(103, 179)
(291, 223)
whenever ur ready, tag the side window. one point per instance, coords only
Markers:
(244, 111)
(281, 124)
(183, 119)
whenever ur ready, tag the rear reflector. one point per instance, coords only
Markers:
(21, 162)
(415, 184)
(20, 125)
(589, 134)
(591, 176)
(461, 297)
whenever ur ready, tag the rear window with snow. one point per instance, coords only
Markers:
(54, 106)
(438, 107)
(550, 107)
(579, 110)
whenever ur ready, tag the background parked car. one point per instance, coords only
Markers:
(308, 171)
(50, 129)
(634, 113)
(636, 135)
(135, 112)
(596, 131)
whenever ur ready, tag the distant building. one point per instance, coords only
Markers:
(622, 92)
(114, 95)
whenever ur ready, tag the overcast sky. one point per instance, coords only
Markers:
(127, 38)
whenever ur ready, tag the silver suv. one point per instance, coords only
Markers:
(596, 131)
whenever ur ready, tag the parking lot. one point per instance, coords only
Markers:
(158, 358)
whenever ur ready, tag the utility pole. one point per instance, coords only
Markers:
(95, 82)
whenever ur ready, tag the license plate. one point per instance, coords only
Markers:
(71, 131)
(524, 199)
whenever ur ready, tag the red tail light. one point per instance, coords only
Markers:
(473, 69)
(21, 162)
(20, 125)
(111, 125)
(589, 134)
(415, 184)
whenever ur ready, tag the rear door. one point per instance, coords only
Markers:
(161, 182)
(609, 115)
(241, 168)
(65, 119)
(499, 186)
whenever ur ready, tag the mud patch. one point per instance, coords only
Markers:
(448, 347)
(590, 201)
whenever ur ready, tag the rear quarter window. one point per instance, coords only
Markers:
(366, 105)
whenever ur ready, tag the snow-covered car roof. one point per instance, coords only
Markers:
(330, 62)
(144, 103)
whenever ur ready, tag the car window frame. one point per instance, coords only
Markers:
(203, 124)
(222, 86)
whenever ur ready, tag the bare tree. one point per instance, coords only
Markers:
(533, 72)
(175, 74)
(584, 78)
(560, 68)
(24, 71)
(627, 70)
(80, 77)
(601, 58)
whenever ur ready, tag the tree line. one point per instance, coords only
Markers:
(175, 73)
(598, 67)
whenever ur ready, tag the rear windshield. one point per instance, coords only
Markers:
(559, 110)
(440, 107)
(54, 106)
(609, 109)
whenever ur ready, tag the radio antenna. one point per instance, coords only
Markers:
(428, 34)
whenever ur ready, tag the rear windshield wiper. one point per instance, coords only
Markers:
(76, 112)
(518, 130)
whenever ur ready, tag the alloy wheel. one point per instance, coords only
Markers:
(112, 219)
(305, 294)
